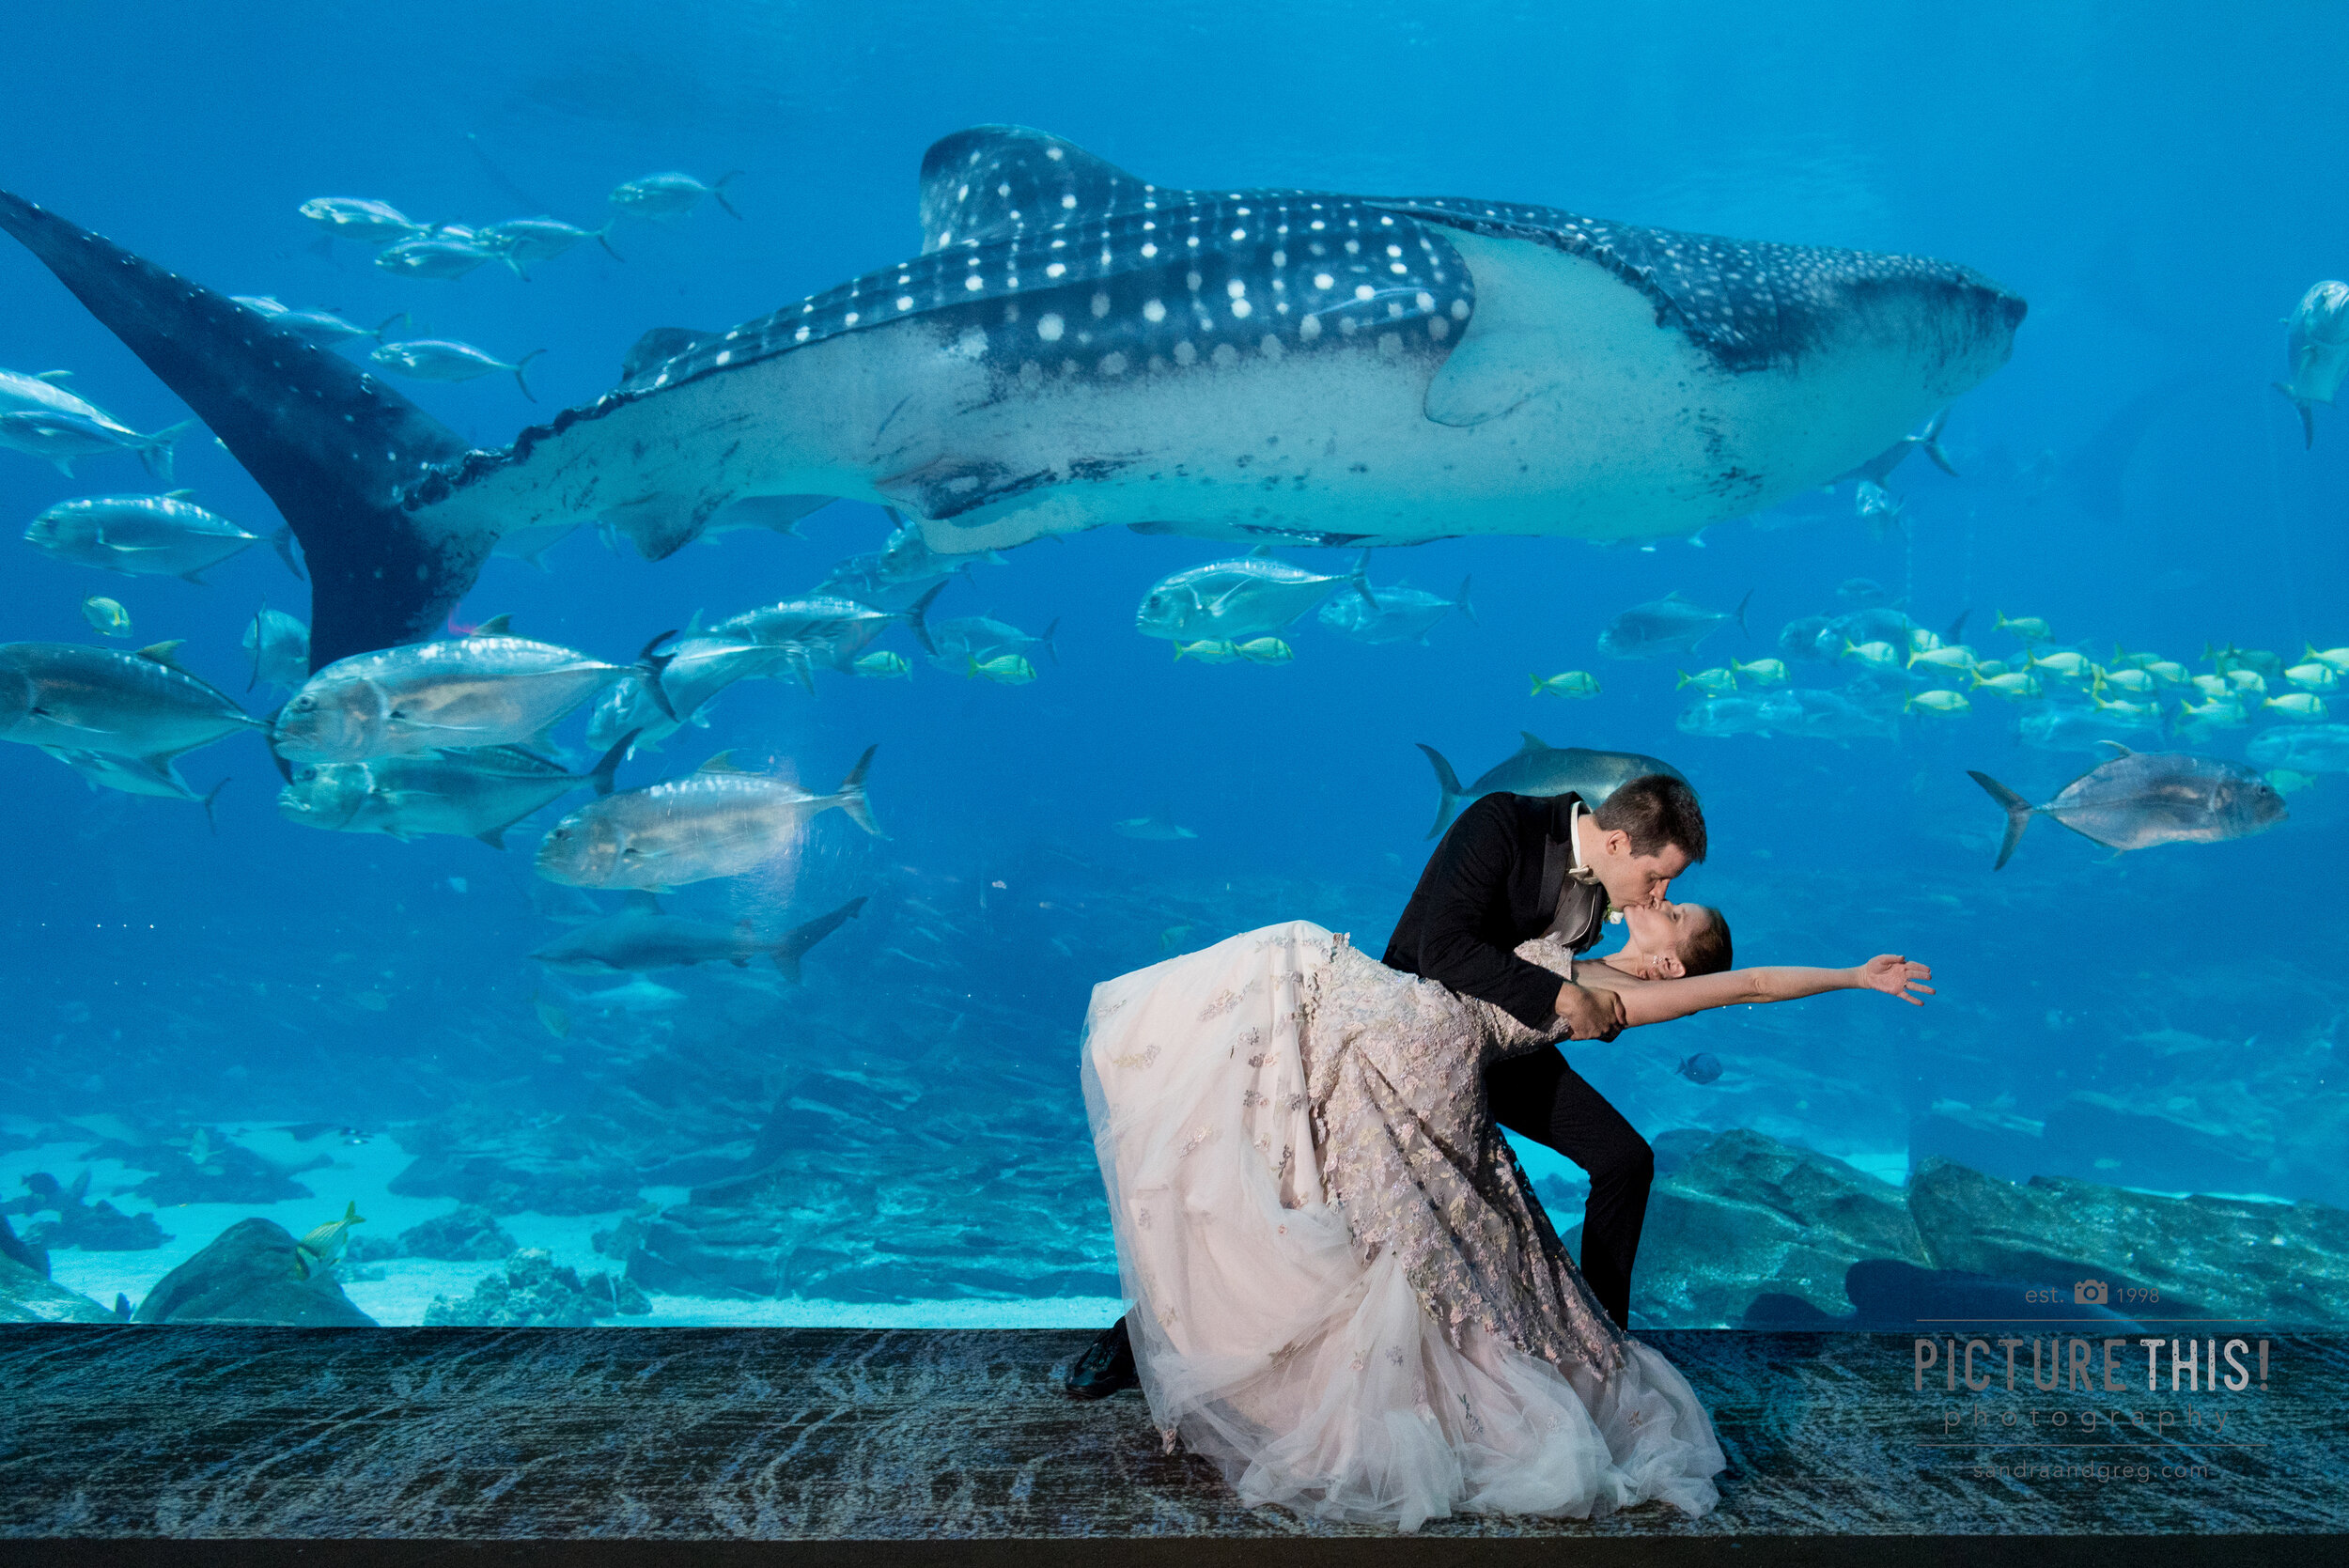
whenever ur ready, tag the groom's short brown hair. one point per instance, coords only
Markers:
(1655, 810)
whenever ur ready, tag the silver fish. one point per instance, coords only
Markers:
(2318, 348)
(2142, 798)
(490, 688)
(2302, 748)
(532, 544)
(1879, 468)
(822, 631)
(772, 513)
(23, 394)
(358, 219)
(280, 648)
(473, 792)
(1541, 769)
(698, 668)
(61, 437)
(134, 776)
(967, 638)
(899, 572)
(433, 257)
(672, 195)
(1156, 828)
(1808, 713)
(2077, 727)
(1664, 626)
(642, 938)
(129, 704)
(437, 358)
(1234, 600)
(1396, 614)
(519, 240)
(146, 535)
(718, 822)
(320, 329)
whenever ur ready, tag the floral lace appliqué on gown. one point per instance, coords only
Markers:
(1344, 1293)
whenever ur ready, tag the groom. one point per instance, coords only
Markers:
(1510, 868)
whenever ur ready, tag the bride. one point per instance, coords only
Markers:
(1344, 1293)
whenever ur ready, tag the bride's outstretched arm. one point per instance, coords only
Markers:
(1660, 1001)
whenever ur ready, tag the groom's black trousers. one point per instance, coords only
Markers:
(1538, 1097)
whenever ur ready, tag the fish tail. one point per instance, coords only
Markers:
(1741, 613)
(1956, 633)
(155, 451)
(850, 794)
(1462, 604)
(518, 369)
(1046, 640)
(920, 626)
(2308, 413)
(386, 325)
(1534, 676)
(718, 192)
(1931, 441)
(608, 768)
(2018, 812)
(281, 407)
(603, 238)
(1447, 785)
(796, 941)
(1360, 577)
(210, 796)
(284, 542)
(649, 665)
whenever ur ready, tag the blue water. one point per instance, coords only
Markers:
(2156, 186)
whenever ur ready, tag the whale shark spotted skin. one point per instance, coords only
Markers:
(1075, 347)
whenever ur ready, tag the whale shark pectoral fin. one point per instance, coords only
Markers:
(977, 182)
(1544, 321)
(660, 525)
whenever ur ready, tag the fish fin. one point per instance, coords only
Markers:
(1360, 577)
(2123, 751)
(850, 794)
(1463, 606)
(525, 360)
(192, 577)
(2308, 414)
(1447, 787)
(800, 937)
(721, 763)
(284, 542)
(499, 625)
(155, 450)
(648, 667)
(178, 495)
(1260, 552)
(278, 406)
(210, 796)
(1532, 743)
(53, 376)
(914, 617)
(717, 193)
(1046, 640)
(637, 898)
(2018, 812)
(1931, 441)
(65, 466)
(603, 238)
(493, 837)
(602, 774)
(165, 654)
(1741, 613)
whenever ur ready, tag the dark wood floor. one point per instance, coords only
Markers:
(153, 1445)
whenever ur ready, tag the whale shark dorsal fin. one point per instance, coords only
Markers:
(977, 184)
(499, 625)
(1533, 743)
(723, 763)
(2118, 749)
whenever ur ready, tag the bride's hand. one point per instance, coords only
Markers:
(1894, 975)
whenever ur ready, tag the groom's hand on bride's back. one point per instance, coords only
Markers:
(1590, 1015)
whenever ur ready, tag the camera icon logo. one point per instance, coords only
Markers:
(2089, 1291)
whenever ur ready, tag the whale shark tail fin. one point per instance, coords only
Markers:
(1447, 785)
(2018, 812)
(330, 444)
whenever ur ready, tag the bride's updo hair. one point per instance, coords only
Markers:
(1707, 951)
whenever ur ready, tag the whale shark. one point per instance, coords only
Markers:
(1075, 347)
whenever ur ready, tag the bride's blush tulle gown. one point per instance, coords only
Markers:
(1344, 1292)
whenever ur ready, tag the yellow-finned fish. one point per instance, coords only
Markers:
(1761, 671)
(2215, 711)
(1940, 700)
(2298, 705)
(2014, 683)
(2315, 675)
(884, 665)
(1715, 680)
(2214, 686)
(1571, 683)
(2167, 672)
(2132, 680)
(1989, 669)
(2337, 658)
(2129, 710)
(1208, 650)
(107, 615)
(1265, 650)
(2030, 629)
(1875, 656)
(2063, 661)
(322, 1248)
(1008, 669)
(1923, 641)
(2249, 683)
(1954, 655)
(2287, 781)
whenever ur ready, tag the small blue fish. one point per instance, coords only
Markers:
(1704, 1067)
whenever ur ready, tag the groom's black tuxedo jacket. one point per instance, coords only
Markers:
(1485, 891)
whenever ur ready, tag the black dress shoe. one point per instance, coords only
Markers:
(1105, 1366)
